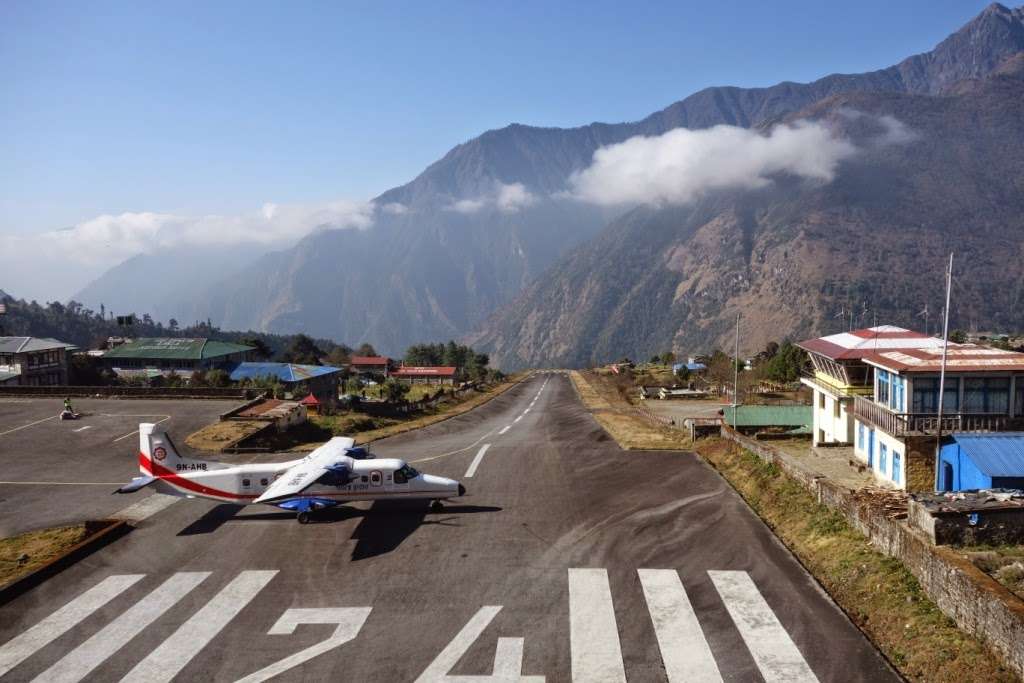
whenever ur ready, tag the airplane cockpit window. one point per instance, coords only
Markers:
(404, 474)
(334, 478)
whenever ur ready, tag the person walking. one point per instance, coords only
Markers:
(67, 405)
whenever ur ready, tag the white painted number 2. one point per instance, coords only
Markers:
(348, 619)
(508, 656)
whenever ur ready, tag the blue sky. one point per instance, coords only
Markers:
(194, 108)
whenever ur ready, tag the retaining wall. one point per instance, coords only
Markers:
(975, 601)
(130, 392)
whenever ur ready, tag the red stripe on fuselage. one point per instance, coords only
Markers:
(164, 474)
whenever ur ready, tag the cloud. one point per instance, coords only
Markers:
(62, 260)
(681, 165)
(395, 208)
(506, 198)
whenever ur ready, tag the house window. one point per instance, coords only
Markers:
(896, 462)
(896, 400)
(860, 436)
(883, 451)
(821, 401)
(1018, 401)
(987, 395)
(835, 408)
(883, 388)
(926, 391)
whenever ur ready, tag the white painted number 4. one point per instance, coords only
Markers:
(508, 656)
(348, 619)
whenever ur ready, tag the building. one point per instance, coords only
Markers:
(154, 356)
(370, 365)
(691, 365)
(789, 420)
(33, 361)
(897, 425)
(443, 374)
(982, 461)
(319, 380)
(840, 374)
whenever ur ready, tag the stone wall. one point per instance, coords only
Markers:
(973, 599)
(920, 463)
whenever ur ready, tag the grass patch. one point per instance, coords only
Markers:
(1004, 563)
(881, 596)
(26, 552)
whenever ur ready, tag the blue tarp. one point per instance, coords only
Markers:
(692, 367)
(285, 372)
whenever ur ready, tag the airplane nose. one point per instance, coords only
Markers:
(462, 490)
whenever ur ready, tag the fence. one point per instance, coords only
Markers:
(131, 392)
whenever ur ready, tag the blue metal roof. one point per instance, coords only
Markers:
(997, 454)
(286, 372)
(692, 367)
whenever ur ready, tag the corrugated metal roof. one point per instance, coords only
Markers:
(174, 347)
(425, 371)
(31, 344)
(369, 360)
(285, 372)
(4, 376)
(858, 343)
(999, 454)
(770, 416)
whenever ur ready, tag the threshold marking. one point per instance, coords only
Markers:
(593, 632)
(77, 664)
(684, 649)
(30, 424)
(147, 507)
(774, 651)
(476, 461)
(505, 429)
(20, 648)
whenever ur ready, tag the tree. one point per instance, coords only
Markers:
(958, 337)
(339, 356)
(218, 378)
(393, 390)
(172, 325)
(668, 358)
(302, 350)
(683, 373)
(261, 350)
(787, 364)
(366, 349)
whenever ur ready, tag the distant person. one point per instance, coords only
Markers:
(67, 405)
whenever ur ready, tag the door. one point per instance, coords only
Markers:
(871, 448)
(947, 476)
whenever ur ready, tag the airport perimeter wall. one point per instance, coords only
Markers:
(974, 600)
(131, 392)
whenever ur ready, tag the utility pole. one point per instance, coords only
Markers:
(942, 373)
(736, 376)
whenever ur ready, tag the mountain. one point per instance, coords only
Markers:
(473, 229)
(794, 257)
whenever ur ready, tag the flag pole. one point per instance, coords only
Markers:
(736, 376)
(942, 373)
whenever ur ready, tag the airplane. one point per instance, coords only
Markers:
(337, 472)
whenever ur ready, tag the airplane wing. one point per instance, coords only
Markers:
(298, 478)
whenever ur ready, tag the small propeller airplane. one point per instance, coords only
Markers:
(336, 473)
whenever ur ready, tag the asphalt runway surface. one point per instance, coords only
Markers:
(568, 559)
(56, 472)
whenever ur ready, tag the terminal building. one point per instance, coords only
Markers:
(154, 356)
(320, 381)
(33, 361)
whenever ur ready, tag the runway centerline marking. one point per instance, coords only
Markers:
(476, 461)
(77, 664)
(165, 419)
(593, 632)
(82, 429)
(30, 424)
(175, 652)
(20, 648)
(684, 649)
(505, 429)
(62, 483)
(775, 653)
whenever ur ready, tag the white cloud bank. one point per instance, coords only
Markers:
(505, 198)
(55, 264)
(681, 165)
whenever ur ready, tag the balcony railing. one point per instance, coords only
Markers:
(923, 424)
(811, 378)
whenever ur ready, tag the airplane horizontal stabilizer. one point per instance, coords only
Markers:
(136, 484)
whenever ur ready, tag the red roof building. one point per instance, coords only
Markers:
(442, 374)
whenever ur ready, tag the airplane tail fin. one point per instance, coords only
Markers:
(157, 454)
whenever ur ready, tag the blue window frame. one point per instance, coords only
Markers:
(860, 435)
(896, 459)
(882, 393)
(882, 452)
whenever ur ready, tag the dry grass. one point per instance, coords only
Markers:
(881, 596)
(1004, 563)
(26, 552)
(221, 435)
(631, 431)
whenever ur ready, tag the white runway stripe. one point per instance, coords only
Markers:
(77, 664)
(505, 429)
(18, 649)
(684, 649)
(776, 655)
(593, 631)
(146, 507)
(167, 660)
(476, 461)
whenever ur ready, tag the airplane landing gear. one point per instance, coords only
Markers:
(303, 517)
(436, 506)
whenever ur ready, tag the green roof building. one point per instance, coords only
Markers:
(792, 419)
(161, 355)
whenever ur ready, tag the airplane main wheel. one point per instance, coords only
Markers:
(303, 517)
(436, 506)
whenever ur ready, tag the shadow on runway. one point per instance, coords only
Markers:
(389, 522)
(212, 520)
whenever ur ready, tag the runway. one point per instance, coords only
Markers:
(568, 560)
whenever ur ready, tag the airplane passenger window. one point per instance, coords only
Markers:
(263, 482)
(245, 483)
(365, 479)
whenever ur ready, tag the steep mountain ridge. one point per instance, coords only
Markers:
(448, 255)
(791, 257)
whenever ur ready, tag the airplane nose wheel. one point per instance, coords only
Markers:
(303, 517)
(436, 506)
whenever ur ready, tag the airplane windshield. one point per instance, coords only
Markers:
(404, 474)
